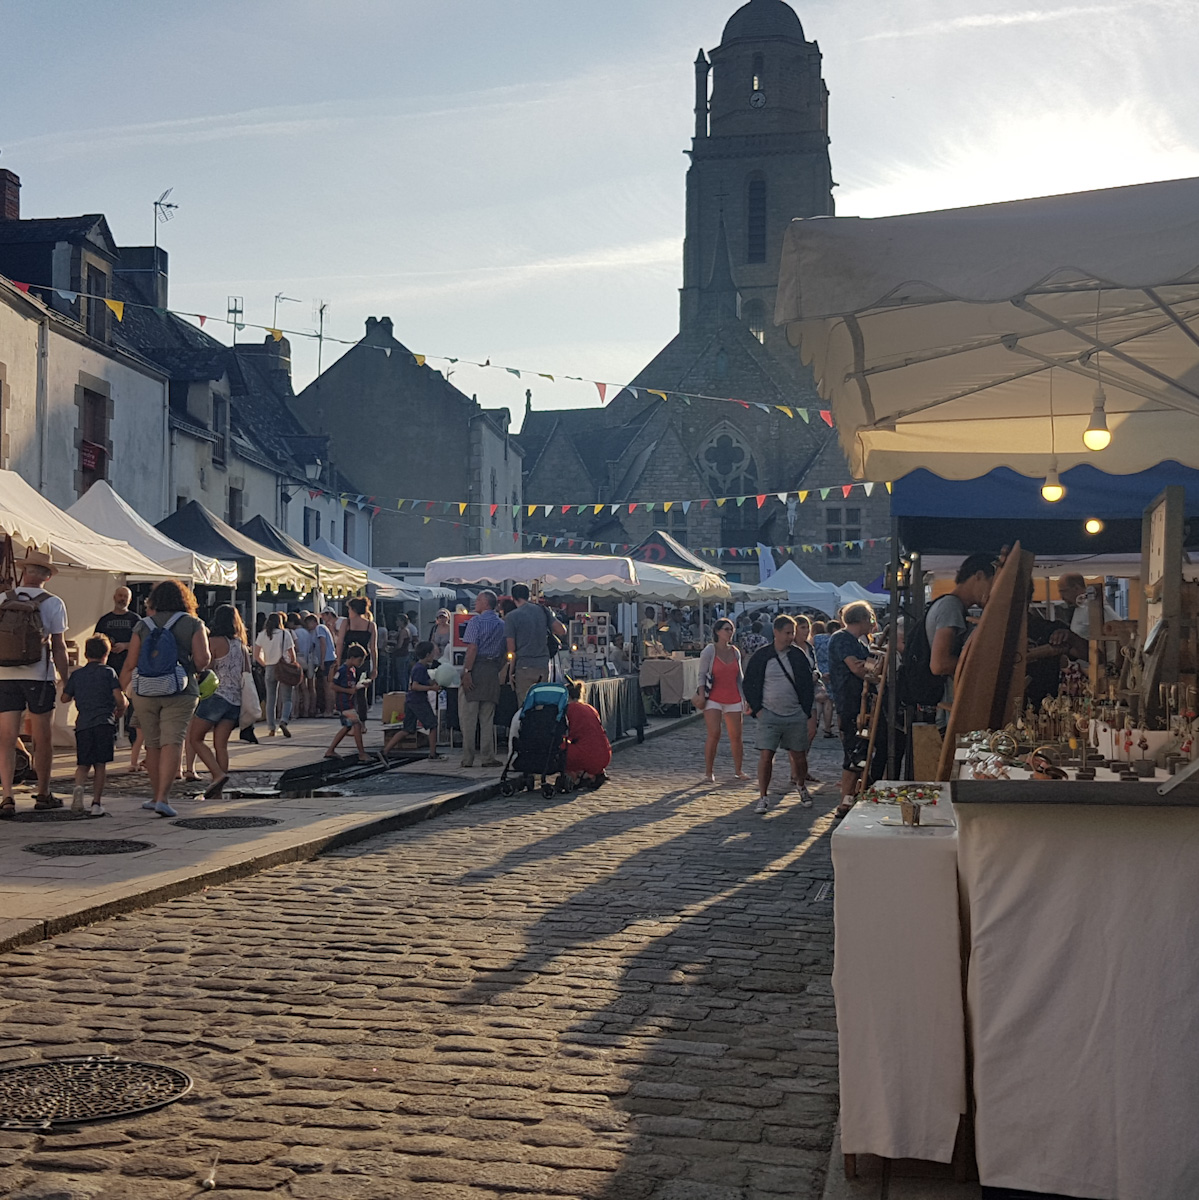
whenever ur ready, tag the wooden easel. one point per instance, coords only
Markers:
(872, 717)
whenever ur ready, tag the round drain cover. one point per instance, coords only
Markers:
(68, 1091)
(224, 822)
(83, 846)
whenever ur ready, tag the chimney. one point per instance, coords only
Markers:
(150, 275)
(10, 196)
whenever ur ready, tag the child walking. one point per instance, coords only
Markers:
(346, 684)
(418, 711)
(99, 703)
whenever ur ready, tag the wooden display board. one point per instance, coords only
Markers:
(1161, 608)
(988, 689)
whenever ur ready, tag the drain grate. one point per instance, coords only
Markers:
(225, 822)
(32, 817)
(84, 846)
(824, 894)
(69, 1091)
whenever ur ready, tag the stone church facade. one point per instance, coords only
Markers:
(759, 157)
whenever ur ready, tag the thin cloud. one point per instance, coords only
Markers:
(1029, 16)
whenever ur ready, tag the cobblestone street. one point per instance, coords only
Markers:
(617, 995)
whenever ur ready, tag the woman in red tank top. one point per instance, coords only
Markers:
(720, 679)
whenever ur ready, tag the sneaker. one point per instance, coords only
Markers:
(805, 798)
(149, 805)
(163, 809)
(77, 799)
(284, 730)
(763, 805)
(97, 810)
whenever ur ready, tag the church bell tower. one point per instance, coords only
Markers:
(759, 158)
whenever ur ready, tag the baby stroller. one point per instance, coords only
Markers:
(539, 749)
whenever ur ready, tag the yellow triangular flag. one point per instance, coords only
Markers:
(666, 507)
(784, 409)
(543, 375)
(532, 509)
(277, 334)
(596, 509)
(654, 393)
(720, 502)
(461, 509)
(888, 489)
(420, 359)
(117, 307)
(802, 497)
(428, 519)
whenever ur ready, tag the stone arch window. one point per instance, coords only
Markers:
(727, 463)
(755, 224)
(753, 313)
(759, 73)
(722, 363)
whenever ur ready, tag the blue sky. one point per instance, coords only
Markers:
(505, 180)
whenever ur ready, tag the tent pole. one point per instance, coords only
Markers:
(893, 659)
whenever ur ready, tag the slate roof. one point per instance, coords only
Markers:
(53, 229)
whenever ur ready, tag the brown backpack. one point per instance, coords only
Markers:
(23, 638)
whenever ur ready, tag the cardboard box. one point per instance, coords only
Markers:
(393, 708)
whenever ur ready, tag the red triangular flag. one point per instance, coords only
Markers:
(21, 287)
(202, 320)
(493, 509)
(603, 390)
(704, 504)
(761, 500)
(846, 488)
(826, 417)
(632, 508)
(566, 508)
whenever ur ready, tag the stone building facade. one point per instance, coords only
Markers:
(405, 432)
(759, 158)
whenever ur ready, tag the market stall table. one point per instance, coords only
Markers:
(902, 1042)
(620, 705)
(677, 678)
(1084, 968)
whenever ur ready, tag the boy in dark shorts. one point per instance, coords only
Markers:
(346, 683)
(418, 711)
(99, 703)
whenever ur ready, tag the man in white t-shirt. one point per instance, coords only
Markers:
(1077, 597)
(33, 687)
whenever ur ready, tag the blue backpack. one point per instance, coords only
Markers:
(159, 671)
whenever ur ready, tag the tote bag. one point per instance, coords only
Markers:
(251, 709)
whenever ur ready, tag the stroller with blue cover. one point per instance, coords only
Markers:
(538, 750)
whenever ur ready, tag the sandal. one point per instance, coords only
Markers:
(843, 809)
(8, 808)
(46, 802)
(214, 789)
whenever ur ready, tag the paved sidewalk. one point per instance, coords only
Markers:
(41, 896)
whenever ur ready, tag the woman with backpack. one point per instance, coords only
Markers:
(167, 650)
(275, 645)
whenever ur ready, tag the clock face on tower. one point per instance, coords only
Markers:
(757, 100)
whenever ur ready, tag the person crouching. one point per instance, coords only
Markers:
(588, 751)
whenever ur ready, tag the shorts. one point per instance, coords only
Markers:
(216, 709)
(418, 710)
(348, 717)
(716, 706)
(782, 733)
(164, 719)
(95, 746)
(37, 695)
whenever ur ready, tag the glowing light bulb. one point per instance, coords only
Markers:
(1097, 435)
(1052, 489)
(1094, 525)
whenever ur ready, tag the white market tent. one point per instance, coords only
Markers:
(554, 571)
(938, 338)
(101, 509)
(379, 585)
(803, 591)
(758, 593)
(675, 585)
(91, 566)
(849, 592)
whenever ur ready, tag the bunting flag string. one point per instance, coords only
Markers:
(117, 307)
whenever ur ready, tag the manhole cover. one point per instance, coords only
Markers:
(224, 822)
(69, 1091)
(82, 846)
(30, 816)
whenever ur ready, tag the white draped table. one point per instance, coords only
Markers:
(677, 677)
(897, 981)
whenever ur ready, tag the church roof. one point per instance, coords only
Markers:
(763, 19)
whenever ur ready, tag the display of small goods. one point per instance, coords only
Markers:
(590, 639)
(911, 798)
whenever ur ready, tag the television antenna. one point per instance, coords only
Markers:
(319, 308)
(235, 311)
(279, 296)
(164, 211)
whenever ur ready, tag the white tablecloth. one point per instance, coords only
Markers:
(678, 677)
(897, 981)
(1084, 996)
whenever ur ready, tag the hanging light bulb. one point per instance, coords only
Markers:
(1052, 489)
(1097, 435)
(1094, 525)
